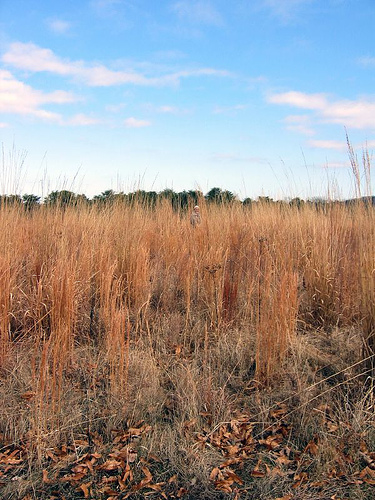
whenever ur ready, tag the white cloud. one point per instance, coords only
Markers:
(136, 123)
(285, 9)
(4, 125)
(218, 110)
(165, 109)
(336, 164)
(300, 124)
(19, 98)
(82, 120)
(198, 11)
(30, 57)
(358, 113)
(367, 61)
(59, 26)
(328, 144)
(106, 8)
(115, 108)
(300, 100)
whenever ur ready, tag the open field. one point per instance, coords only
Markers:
(145, 358)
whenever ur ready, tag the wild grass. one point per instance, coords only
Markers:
(113, 315)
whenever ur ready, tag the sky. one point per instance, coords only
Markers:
(253, 96)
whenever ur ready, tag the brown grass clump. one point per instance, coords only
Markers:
(141, 356)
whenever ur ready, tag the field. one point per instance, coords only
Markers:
(144, 358)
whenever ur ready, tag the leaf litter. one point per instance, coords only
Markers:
(118, 470)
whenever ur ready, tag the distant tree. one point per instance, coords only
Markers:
(10, 200)
(247, 202)
(81, 199)
(214, 194)
(227, 196)
(105, 197)
(60, 198)
(194, 196)
(182, 200)
(169, 194)
(219, 196)
(30, 201)
(265, 199)
(296, 202)
(145, 198)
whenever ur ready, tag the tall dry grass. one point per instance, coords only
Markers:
(128, 312)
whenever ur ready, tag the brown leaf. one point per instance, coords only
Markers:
(257, 473)
(234, 477)
(28, 395)
(147, 473)
(45, 477)
(156, 486)
(232, 450)
(51, 456)
(85, 488)
(224, 485)
(128, 474)
(215, 473)
(111, 465)
(277, 413)
(312, 448)
(283, 460)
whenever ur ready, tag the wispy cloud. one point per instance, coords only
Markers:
(4, 125)
(367, 61)
(358, 113)
(82, 120)
(198, 12)
(58, 26)
(235, 158)
(335, 164)
(107, 7)
(218, 110)
(115, 108)
(286, 10)
(30, 57)
(300, 100)
(136, 123)
(328, 144)
(165, 109)
(18, 98)
(300, 124)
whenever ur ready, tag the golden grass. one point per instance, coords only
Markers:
(125, 312)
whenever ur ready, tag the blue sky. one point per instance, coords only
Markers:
(253, 96)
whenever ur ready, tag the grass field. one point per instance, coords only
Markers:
(145, 358)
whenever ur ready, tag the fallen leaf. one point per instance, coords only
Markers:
(28, 395)
(85, 488)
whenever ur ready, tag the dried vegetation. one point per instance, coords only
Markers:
(145, 358)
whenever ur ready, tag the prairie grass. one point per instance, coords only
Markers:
(114, 315)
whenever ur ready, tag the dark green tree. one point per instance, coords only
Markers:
(30, 201)
(105, 197)
(60, 198)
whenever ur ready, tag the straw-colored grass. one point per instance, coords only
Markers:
(113, 315)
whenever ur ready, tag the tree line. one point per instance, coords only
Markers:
(179, 200)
